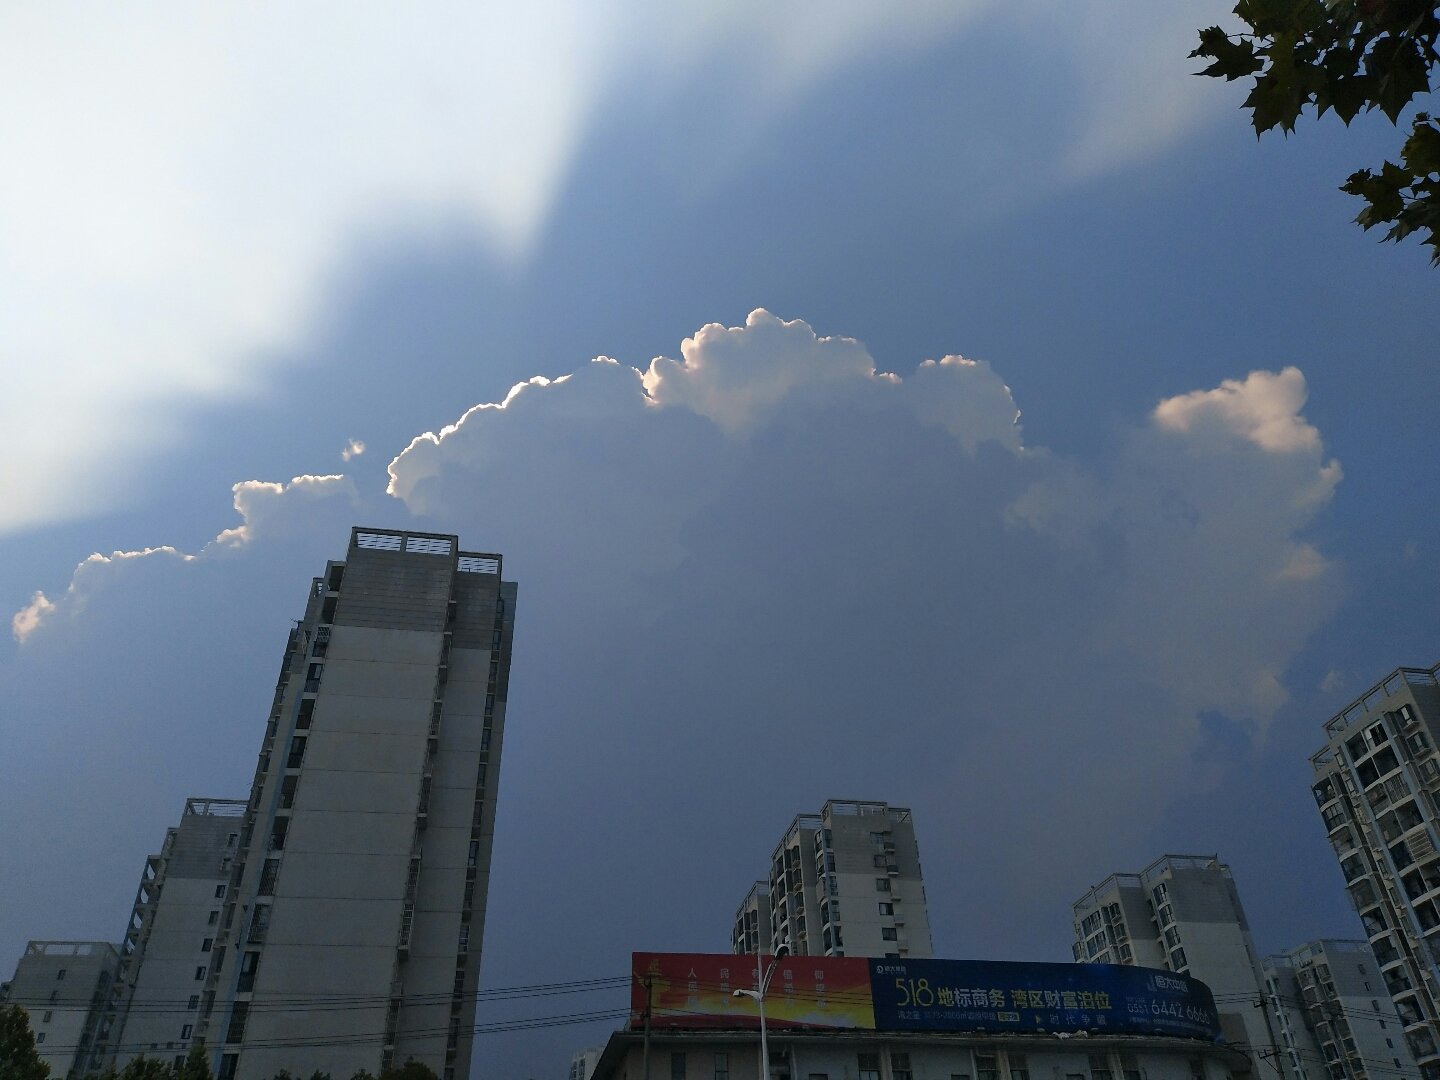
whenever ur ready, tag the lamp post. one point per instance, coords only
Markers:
(763, 975)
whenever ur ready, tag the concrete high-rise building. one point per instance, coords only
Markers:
(170, 939)
(350, 933)
(751, 933)
(1332, 1016)
(843, 882)
(1182, 913)
(1377, 782)
(64, 986)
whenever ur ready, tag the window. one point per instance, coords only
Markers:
(985, 1067)
(219, 892)
(45, 1017)
(60, 974)
(268, 873)
(200, 973)
(194, 1002)
(238, 1015)
(208, 943)
(40, 1036)
(722, 1067)
(869, 1066)
(1019, 1069)
(1100, 1067)
(887, 933)
(882, 884)
(214, 917)
(677, 1066)
(900, 1067)
(1129, 1066)
(1177, 960)
(185, 1031)
(887, 908)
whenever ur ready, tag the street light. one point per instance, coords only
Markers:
(762, 983)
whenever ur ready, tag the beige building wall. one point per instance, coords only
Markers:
(63, 986)
(171, 936)
(844, 882)
(1377, 785)
(856, 1055)
(352, 939)
(1183, 913)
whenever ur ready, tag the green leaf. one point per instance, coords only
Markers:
(1273, 102)
(1233, 59)
(1421, 152)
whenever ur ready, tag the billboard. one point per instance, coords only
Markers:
(692, 990)
(978, 995)
(696, 990)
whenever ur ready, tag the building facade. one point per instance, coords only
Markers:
(1333, 1019)
(1183, 913)
(877, 1055)
(349, 936)
(1377, 784)
(169, 942)
(844, 882)
(751, 933)
(64, 986)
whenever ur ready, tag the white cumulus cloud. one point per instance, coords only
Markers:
(24, 621)
(161, 241)
(762, 575)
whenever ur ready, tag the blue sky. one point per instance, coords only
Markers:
(762, 573)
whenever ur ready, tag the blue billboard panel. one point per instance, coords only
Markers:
(979, 995)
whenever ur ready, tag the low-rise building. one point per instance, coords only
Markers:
(673, 1054)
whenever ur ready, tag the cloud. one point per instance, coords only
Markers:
(272, 511)
(353, 449)
(24, 621)
(265, 505)
(765, 574)
(1263, 408)
(175, 276)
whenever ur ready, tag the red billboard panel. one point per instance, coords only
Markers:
(697, 990)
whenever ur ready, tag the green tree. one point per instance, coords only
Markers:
(1351, 56)
(18, 1057)
(143, 1068)
(196, 1067)
(411, 1070)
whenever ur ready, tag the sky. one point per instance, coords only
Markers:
(952, 404)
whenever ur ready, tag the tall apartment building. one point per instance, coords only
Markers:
(64, 986)
(350, 933)
(1333, 1019)
(843, 882)
(1377, 783)
(169, 942)
(751, 933)
(1182, 913)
